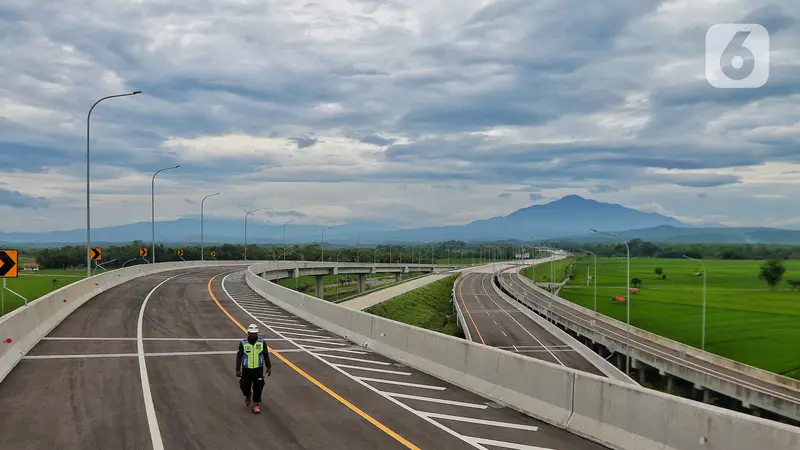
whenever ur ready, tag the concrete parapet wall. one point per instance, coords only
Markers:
(27, 325)
(619, 415)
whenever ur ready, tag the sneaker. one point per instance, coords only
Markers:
(247, 400)
(256, 408)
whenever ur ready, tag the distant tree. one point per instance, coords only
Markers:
(772, 272)
(636, 282)
(795, 284)
(663, 276)
(659, 271)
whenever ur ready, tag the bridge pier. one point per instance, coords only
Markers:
(398, 277)
(362, 280)
(320, 279)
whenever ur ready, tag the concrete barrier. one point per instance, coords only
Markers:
(598, 361)
(615, 414)
(26, 326)
(672, 344)
(626, 417)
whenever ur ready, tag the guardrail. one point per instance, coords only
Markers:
(24, 327)
(729, 384)
(609, 412)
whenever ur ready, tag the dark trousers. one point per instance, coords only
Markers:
(254, 378)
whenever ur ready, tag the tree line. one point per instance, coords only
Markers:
(646, 249)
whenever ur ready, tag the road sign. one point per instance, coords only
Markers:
(180, 252)
(97, 254)
(244, 255)
(213, 254)
(9, 263)
(143, 252)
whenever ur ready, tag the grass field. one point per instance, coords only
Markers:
(33, 285)
(543, 270)
(745, 320)
(345, 290)
(427, 307)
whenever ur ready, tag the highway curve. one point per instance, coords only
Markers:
(88, 386)
(492, 320)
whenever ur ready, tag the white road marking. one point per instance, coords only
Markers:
(504, 333)
(283, 322)
(437, 400)
(382, 363)
(284, 327)
(372, 369)
(517, 322)
(503, 444)
(495, 322)
(494, 423)
(515, 348)
(102, 339)
(311, 349)
(402, 383)
(297, 333)
(317, 342)
(97, 355)
(149, 408)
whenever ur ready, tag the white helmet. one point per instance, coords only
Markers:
(252, 328)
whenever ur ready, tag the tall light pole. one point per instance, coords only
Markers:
(202, 231)
(594, 278)
(628, 250)
(153, 206)
(322, 244)
(703, 335)
(88, 203)
(284, 237)
(337, 274)
(245, 230)
(358, 247)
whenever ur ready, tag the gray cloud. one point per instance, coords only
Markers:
(505, 195)
(535, 196)
(463, 94)
(18, 200)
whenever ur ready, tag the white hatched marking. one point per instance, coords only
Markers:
(298, 333)
(382, 363)
(345, 350)
(372, 369)
(437, 400)
(284, 327)
(402, 383)
(493, 423)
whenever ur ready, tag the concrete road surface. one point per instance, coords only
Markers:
(494, 321)
(150, 365)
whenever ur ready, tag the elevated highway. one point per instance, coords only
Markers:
(143, 357)
(757, 389)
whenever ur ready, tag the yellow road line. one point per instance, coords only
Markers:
(317, 383)
(469, 314)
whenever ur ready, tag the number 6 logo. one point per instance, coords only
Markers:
(737, 55)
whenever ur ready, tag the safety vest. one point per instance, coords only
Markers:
(253, 354)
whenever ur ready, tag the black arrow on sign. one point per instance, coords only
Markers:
(95, 253)
(6, 263)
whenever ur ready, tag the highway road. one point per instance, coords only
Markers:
(493, 321)
(150, 365)
(620, 334)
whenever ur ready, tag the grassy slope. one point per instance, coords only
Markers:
(427, 307)
(745, 320)
(543, 270)
(33, 287)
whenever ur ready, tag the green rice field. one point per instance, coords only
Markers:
(745, 319)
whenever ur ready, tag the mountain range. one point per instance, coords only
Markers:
(570, 217)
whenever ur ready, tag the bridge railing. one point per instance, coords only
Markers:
(609, 412)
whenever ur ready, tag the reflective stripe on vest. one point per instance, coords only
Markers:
(253, 354)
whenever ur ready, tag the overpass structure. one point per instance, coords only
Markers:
(650, 353)
(143, 357)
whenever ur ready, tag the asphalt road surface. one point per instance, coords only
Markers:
(620, 334)
(492, 320)
(150, 365)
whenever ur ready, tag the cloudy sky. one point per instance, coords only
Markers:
(412, 111)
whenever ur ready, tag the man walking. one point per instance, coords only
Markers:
(251, 358)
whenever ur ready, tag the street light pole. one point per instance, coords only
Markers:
(245, 230)
(153, 206)
(594, 278)
(358, 247)
(284, 237)
(322, 244)
(337, 274)
(628, 250)
(88, 203)
(202, 231)
(703, 335)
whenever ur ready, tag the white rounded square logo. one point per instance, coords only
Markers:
(737, 55)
